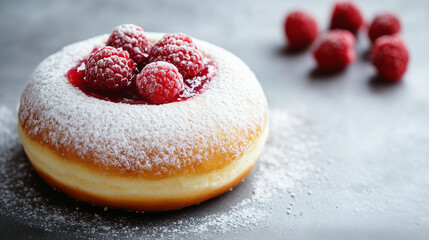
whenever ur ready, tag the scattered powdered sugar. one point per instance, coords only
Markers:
(9, 140)
(289, 166)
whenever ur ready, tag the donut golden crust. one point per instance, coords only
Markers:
(135, 193)
(143, 157)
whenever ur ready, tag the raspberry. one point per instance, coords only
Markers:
(130, 38)
(179, 50)
(390, 56)
(346, 15)
(109, 69)
(301, 29)
(159, 82)
(335, 50)
(384, 24)
(167, 38)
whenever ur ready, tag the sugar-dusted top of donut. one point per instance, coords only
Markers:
(196, 135)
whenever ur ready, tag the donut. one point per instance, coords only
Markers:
(143, 157)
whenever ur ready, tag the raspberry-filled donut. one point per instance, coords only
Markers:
(157, 134)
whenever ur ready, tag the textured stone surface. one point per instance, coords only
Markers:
(376, 135)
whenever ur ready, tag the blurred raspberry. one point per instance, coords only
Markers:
(390, 56)
(384, 24)
(335, 50)
(301, 29)
(346, 15)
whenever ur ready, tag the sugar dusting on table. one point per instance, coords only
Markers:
(290, 166)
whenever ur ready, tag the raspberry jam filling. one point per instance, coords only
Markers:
(192, 86)
(129, 69)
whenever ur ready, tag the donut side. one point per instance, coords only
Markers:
(135, 193)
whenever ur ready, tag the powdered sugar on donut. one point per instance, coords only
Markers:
(160, 139)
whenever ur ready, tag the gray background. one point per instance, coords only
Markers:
(377, 134)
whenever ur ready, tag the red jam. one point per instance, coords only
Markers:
(192, 86)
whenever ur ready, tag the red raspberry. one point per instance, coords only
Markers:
(384, 24)
(335, 50)
(109, 69)
(390, 56)
(301, 29)
(346, 15)
(167, 38)
(130, 38)
(159, 82)
(179, 50)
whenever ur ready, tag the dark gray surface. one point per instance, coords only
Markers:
(377, 134)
